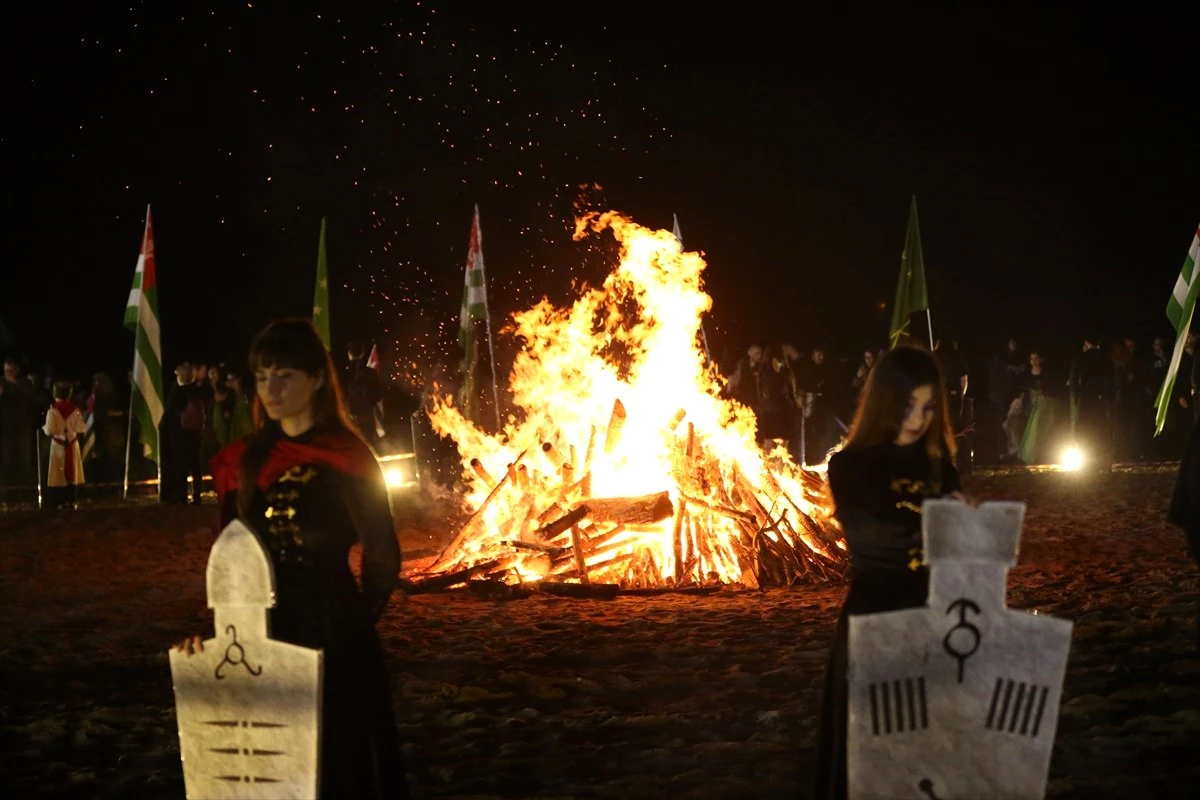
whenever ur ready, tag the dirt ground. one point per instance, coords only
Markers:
(678, 696)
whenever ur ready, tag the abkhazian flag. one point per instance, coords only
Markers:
(141, 317)
(1179, 311)
(474, 310)
(320, 315)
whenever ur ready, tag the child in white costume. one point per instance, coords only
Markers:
(64, 425)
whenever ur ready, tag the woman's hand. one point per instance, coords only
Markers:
(963, 497)
(189, 646)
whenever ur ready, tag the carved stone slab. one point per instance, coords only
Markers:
(958, 699)
(248, 707)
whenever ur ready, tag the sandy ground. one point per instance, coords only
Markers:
(676, 696)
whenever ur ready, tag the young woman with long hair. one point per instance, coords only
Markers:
(899, 452)
(311, 489)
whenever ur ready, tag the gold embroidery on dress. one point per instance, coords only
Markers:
(301, 473)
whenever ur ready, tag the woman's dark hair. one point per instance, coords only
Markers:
(884, 402)
(290, 343)
(61, 390)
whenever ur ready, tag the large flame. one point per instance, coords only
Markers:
(618, 412)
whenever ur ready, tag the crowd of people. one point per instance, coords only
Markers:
(58, 433)
(1017, 406)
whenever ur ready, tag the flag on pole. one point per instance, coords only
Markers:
(321, 294)
(911, 296)
(373, 364)
(679, 238)
(474, 309)
(141, 316)
(1180, 306)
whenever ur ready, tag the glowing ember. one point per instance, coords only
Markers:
(624, 464)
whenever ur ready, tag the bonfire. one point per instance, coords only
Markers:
(625, 464)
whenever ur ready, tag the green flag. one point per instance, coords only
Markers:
(911, 296)
(321, 294)
(1180, 307)
(141, 317)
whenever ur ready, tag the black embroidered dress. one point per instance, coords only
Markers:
(877, 492)
(317, 495)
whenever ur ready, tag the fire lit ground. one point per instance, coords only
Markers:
(710, 692)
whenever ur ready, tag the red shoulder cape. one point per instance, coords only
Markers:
(338, 450)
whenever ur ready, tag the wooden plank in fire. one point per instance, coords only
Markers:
(435, 583)
(641, 510)
(552, 529)
(450, 552)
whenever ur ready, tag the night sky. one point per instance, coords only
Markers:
(1054, 158)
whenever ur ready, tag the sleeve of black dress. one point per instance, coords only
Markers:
(371, 510)
(859, 491)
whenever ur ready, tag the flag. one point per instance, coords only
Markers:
(474, 309)
(373, 363)
(141, 317)
(679, 238)
(321, 294)
(911, 296)
(1180, 306)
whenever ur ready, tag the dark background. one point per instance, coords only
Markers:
(1053, 156)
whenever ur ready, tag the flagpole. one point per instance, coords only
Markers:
(492, 358)
(929, 322)
(129, 434)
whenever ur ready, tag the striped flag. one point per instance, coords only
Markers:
(474, 310)
(141, 317)
(320, 315)
(1179, 311)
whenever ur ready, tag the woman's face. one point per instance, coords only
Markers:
(918, 417)
(287, 393)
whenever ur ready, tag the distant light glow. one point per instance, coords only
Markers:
(1071, 459)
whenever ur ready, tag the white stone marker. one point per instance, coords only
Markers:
(959, 699)
(248, 707)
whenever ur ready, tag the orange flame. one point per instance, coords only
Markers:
(616, 401)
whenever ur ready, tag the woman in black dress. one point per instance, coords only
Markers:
(899, 452)
(310, 488)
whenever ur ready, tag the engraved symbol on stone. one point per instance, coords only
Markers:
(897, 706)
(1016, 707)
(235, 654)
(926, 787)
(954, 644)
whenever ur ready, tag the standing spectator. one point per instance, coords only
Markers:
(64, 425)
(231, 415)
(180, 437)
(1090, 381)
(364, 392)
(1003, 396)
(757, 384)
(19, 419)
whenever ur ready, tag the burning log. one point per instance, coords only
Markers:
(593, 591)
(451, 550)
(485, 476)
(644, 510)
(616, 424)
(551, 530)
(445, 580)
(677, 542)
(577, 550)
